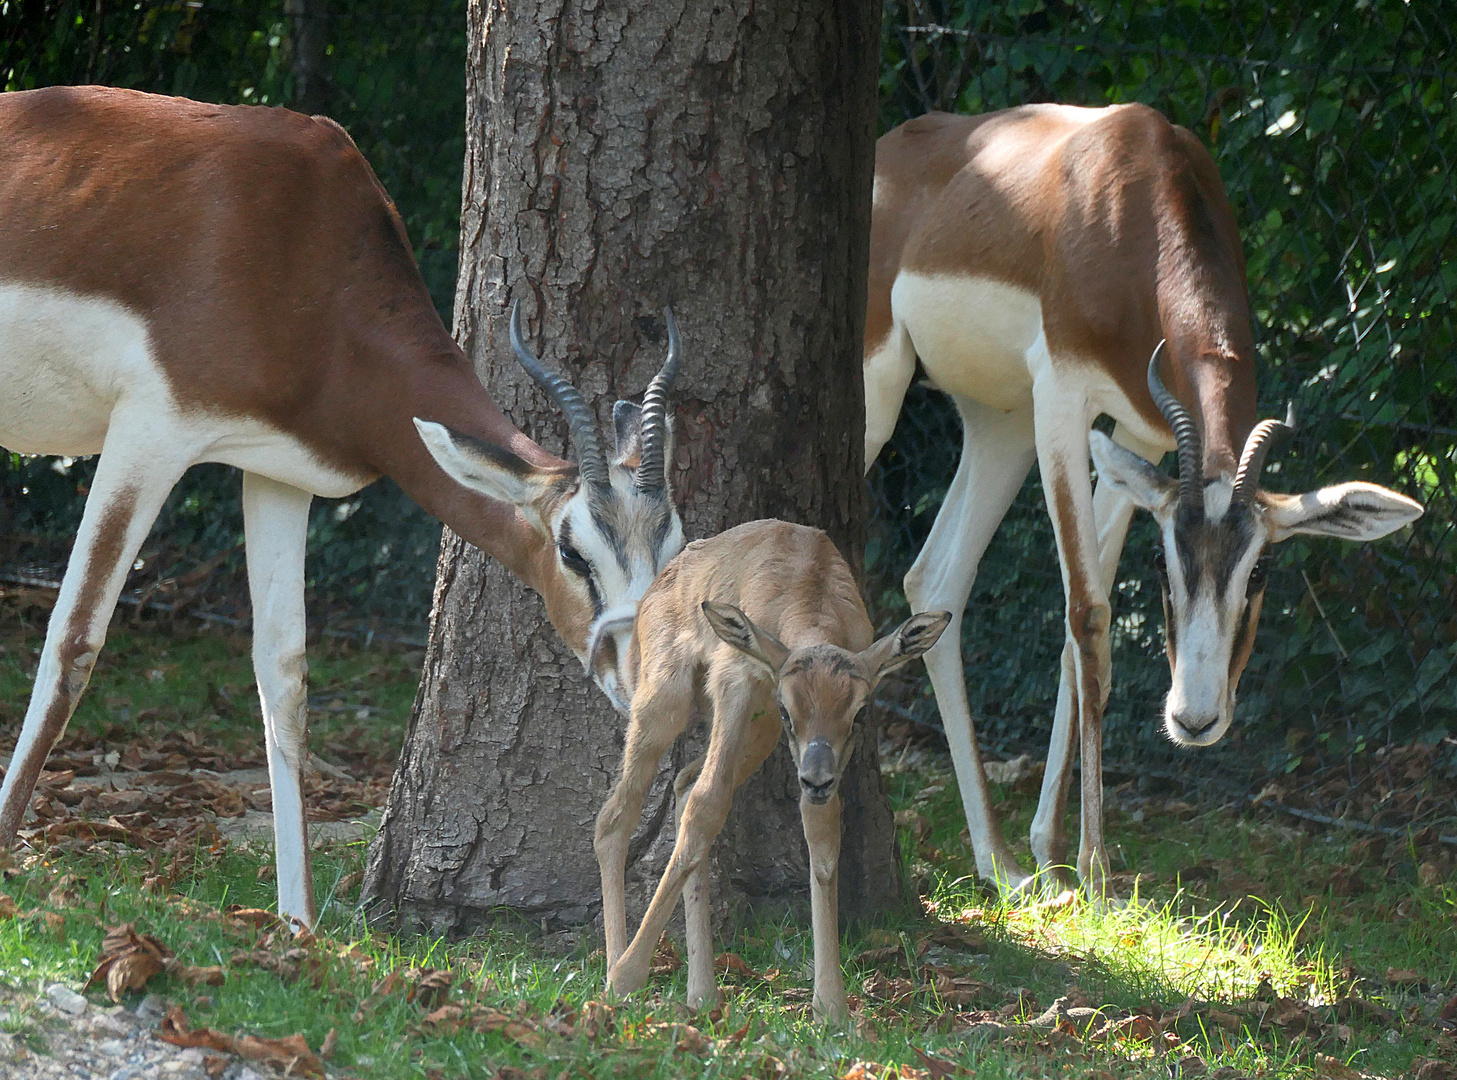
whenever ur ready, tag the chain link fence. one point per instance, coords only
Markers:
(1332, 125)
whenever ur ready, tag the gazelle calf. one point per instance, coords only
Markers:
(760, 620)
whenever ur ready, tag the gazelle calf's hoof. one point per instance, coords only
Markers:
(703, 1002)
(624, 978)
(830, 1010)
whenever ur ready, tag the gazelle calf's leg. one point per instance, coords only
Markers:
(275, 523)
(1112, 514)
(660, 712)
(822, 833)
(703, 992)
(1062, 452)
(997, 452)
(697, 905)
(703, 816)
(140, 462)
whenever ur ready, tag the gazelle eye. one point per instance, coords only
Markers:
(784, 717)
(1159, 564)
(1258, 576)
(573, 559)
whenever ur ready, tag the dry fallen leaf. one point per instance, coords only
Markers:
(885, 988)
(8, 910)
(596, 1019)
(1334, 1068)
(730, 963)
(431, 988)
(665, 958)
(128, 960)
(291, 1054)
(1404, 976)
(937, 1067)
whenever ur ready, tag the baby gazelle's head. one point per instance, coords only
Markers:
(822, 690)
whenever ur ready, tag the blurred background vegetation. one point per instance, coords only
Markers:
(1333, 126)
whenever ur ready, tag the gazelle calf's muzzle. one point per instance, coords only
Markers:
(819, 771)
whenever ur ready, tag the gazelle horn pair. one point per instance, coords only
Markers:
(651, 475)
(1191, 451)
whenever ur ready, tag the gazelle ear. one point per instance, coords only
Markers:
(627, 427)
(486, 468)
(906, 642)
(736, 628)
(1350, 511)
(1130, 475)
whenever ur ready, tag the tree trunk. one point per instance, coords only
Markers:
(715, 155)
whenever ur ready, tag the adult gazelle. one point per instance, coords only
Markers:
(182, 283)
(1032, 260)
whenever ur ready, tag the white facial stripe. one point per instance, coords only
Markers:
(624, 561)
(1205, 616)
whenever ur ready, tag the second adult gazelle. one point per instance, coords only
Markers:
(182, 282)
(1031, 260)
(763, 627)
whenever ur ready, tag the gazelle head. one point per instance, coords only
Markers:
(1215, 533)
(821, 690)
(610, 524)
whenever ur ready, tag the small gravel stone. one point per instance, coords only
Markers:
(193, 1055)
(245, 1073)
(108, 1024)
(126, 1072)
(66, 999)
(112, 1047)
(152, 1009)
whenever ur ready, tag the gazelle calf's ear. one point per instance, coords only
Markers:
(1130, 475)
(736, 628)
(485, 467)
(906, 642)
(1350, 511)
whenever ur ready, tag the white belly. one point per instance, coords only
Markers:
(64, 361)
(69, 362)
(971, 334)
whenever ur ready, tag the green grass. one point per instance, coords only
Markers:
(1192, 929)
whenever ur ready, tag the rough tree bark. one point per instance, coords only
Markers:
(711, 154)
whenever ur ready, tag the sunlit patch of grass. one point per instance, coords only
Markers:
(1144, 949)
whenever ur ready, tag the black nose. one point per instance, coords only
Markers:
(1194, 725)
(817, 771)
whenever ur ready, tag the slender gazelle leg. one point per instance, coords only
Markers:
(997, 451)
(275, 523)
(660, 711)
(1062, 410)
(141, 460)
(1112, 513)
(706, 810)
(703, 990)
(822, 833)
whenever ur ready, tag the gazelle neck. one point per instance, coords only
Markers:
(440, 385)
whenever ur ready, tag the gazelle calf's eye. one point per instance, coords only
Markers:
(573, 559)
(784, 717)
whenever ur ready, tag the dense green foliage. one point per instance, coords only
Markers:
(1332, 125)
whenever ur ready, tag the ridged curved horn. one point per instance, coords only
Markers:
(590, 459)
(1186, 434)
(652, 466)
(1257, 447)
